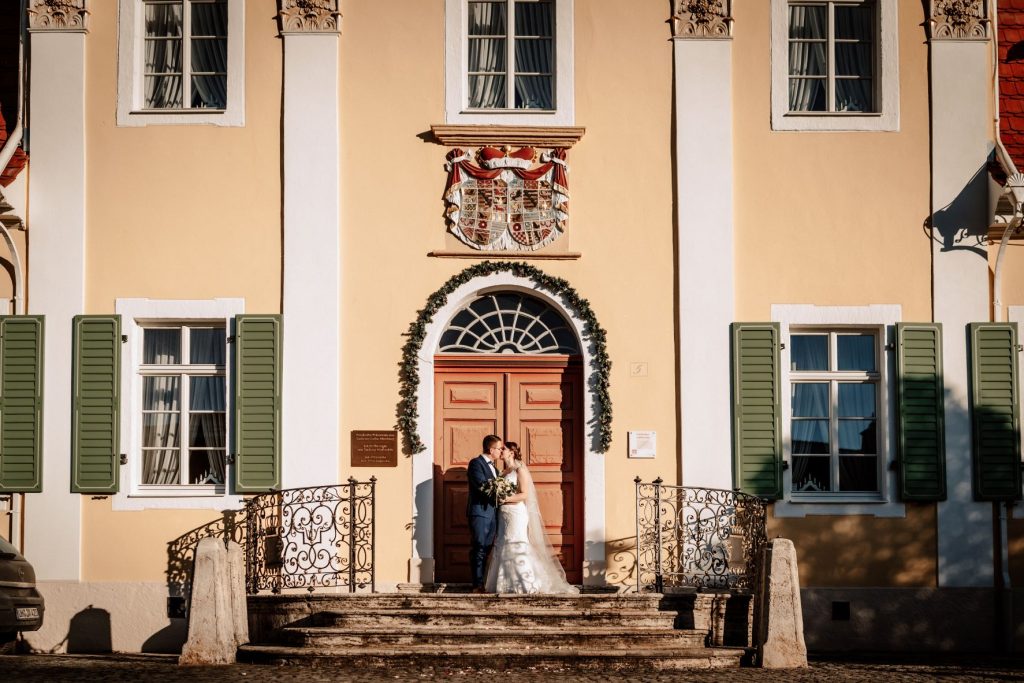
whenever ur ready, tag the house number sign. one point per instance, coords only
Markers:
(374, 448)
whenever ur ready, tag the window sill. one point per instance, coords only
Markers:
(163, 499)
(838, 122)
(230, 117)
(809, 506)
(523, 135)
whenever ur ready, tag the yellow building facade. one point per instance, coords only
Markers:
(356, 175)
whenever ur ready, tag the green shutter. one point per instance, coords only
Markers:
(756, 419)
(96, 413)
(21, 403)
(258, 403)
(921, 399)
(995, 411)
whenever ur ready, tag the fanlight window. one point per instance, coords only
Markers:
(508, 322)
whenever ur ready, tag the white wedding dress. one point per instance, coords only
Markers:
(522, 560)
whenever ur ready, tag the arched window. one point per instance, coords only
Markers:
(508, 322)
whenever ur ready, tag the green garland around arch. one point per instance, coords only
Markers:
(408, 415)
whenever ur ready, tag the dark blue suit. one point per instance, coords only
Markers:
(483, 518)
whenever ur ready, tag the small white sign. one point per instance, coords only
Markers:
(643, 444)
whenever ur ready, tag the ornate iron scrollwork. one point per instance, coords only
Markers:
(702, 538)
(312, 538)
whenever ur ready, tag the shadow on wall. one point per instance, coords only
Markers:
(963, 223)
(89, 632)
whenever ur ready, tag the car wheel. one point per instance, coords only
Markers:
(8, 642)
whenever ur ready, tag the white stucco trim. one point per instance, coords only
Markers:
(961, 144)
(456, 62)
(704, 207)
(423, 463)
(311, 301)
(132, 312)
(130, 87)
(888, 91)
(56, 279)
(882, 317)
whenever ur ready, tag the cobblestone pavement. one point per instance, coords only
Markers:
(159, 668)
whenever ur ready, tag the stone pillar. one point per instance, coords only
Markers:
(781, 644)
(961, 80)
(702, 48)
(312, 257)
(56, 252)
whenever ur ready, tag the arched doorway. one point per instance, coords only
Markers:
(509, 363)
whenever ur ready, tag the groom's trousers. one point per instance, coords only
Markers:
(482, 530)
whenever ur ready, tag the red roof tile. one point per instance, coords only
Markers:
(1011, 78)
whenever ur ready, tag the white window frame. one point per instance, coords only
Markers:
(881, 319)
(137, 314)
(457, 66)
(886, 87)
(131, 37)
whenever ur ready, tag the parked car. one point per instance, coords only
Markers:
(21, 605)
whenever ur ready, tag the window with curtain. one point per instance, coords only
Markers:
(184, 406)
(185, 54)
(834, 393)
(511, 54)
(832, 57)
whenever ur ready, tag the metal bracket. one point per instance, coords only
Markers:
(891, 346)
(123, 459)
(231, 339)
(230, 458)
(124, 338)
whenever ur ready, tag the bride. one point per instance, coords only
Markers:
(523, 561)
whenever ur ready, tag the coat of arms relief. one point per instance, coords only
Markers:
(505, 199)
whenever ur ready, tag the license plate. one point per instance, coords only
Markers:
(26, 612)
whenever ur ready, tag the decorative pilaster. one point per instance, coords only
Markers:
(58, 15)
(959, 20)
(56, 281)
(311, 298)
(309, 16)
(702, 73)
(702, 19)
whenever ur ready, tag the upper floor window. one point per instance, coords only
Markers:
(511, 54)
(832, 56)
(186, 54)
(835, 65)
(180, 62)
(509, 62)
(835, 391)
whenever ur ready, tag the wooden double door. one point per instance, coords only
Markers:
(536, 402)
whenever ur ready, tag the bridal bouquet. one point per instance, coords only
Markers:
(498, 488)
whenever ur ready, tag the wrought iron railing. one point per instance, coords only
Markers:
(702, 538)
(181, 551)
(312, 538)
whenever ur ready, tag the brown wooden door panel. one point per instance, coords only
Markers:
(541, 409)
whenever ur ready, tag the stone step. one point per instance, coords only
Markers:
(636, 660)
(552, 617)
(347, 601)
(492, 640)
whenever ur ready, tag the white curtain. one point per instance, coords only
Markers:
(487, 55)
(161, 463)
(535, 21)
(163, 56)
(854, 59)
(807, 58)
(210, 55)
(207, 430)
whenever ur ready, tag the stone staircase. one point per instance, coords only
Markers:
(590, 631)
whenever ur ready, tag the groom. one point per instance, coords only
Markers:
(483, 520)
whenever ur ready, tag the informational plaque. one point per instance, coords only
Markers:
(643, 444)
(374, 448)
